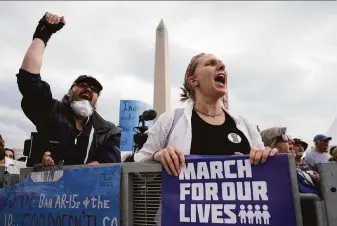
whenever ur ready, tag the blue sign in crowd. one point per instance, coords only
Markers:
(89, 196)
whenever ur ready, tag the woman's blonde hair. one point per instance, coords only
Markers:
(188, 92)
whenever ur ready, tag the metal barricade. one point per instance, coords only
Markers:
(2, 176)
(141, 192)
(328, 177)
(319, 210)
(10, 179)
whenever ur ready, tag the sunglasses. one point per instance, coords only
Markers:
(282, 138)
(86, 86)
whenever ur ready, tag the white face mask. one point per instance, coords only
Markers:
(82, 108)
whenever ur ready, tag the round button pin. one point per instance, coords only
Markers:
(235, 138)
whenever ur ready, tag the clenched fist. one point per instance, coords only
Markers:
(48, 25)
(54, 19)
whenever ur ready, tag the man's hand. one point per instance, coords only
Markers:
(47, 160)
(54, 19)
(95, 163)
(48, 25)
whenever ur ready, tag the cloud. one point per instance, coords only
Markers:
(280, 56)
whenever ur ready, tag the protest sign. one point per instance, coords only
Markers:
(86, 197)
(129, 111)
(228, 190)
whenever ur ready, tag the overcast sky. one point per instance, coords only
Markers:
(281, 56)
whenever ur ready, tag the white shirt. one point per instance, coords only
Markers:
(181, 135)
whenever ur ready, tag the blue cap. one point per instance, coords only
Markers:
(321, 137)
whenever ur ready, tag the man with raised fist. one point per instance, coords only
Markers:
(81, 134)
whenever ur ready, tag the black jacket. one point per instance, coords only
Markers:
(55, 119)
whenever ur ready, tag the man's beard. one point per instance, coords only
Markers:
(84, 95)
(82, 108)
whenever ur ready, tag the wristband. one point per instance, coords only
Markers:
(44, 30)
(153, 155)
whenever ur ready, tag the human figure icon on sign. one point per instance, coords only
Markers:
(258, 215)
(243, 214)
(265, 214)
(250, 214)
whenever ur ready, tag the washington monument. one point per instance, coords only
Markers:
(162, 81)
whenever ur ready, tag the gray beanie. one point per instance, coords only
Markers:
(270, 135)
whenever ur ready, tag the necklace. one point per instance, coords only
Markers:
(209, 115)
(78, 136)
(81, 131)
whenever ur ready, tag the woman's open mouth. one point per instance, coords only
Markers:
(220, 78)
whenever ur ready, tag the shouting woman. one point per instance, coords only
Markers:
(205, 126)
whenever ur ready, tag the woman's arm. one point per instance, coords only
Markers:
(157, 135)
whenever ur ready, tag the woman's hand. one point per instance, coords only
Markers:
(258, 155)
(172, 160)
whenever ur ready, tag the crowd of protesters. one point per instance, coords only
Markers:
(204, 127)
(307, 165)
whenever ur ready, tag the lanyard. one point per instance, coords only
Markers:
(89, 144)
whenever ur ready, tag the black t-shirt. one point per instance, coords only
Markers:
(225, 139)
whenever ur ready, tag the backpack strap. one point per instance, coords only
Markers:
(177, 115)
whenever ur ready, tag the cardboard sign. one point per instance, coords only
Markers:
(228, 190)
(129, 112)
(87, 196)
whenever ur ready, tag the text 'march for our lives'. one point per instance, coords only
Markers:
(228, 190)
